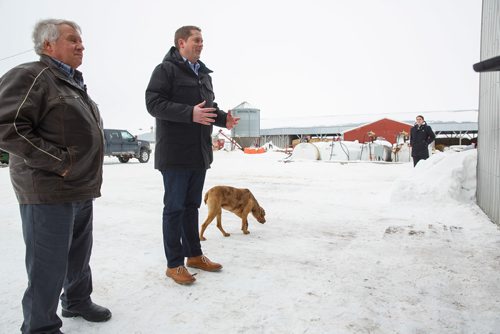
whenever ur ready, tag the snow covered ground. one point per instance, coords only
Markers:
(347, 248)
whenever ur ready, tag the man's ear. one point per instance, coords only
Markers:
(181, 43)
(47, 46)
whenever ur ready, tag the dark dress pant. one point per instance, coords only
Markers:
(58, 240)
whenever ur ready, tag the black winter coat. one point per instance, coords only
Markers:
(173, 90)
(50, 125)
(420, 138)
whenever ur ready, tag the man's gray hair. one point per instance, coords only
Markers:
(48, 30)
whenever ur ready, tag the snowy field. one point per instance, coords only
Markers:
(347, 248)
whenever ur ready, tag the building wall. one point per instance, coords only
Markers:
(385, 128)
(488, 164)
(282, 141)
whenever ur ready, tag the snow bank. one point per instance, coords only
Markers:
(444, 177)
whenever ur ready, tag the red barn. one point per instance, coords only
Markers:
(385, 128)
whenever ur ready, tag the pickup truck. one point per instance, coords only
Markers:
(121, 144)
(118, 143)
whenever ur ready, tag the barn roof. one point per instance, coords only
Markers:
(441, 121)
(405, 124)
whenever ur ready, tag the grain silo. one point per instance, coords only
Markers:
(247, 132)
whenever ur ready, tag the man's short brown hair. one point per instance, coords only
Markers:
(184, 33)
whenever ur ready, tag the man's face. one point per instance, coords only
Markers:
(419, 120)
(68, 48)
(191, 48)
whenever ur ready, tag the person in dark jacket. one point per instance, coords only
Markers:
(181, 98)
(53, 132)
(421, 136)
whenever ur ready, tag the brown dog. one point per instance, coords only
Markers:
(239, 201)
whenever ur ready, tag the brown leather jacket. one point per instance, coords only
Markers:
(50, 127)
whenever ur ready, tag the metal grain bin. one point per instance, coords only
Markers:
(247, 132)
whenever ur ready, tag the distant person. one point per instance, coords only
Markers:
(421, 136)
(473, 142)
(53, 132)
(180, 96)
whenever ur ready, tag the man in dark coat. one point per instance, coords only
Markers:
(181, 98)
(421, 135)
(53, 132)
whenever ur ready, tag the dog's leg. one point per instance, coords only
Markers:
(219, 224)
(244, 224)
(210, 218)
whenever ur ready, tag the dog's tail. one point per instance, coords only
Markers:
(206, 197)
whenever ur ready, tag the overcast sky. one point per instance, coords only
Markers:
(289, 58)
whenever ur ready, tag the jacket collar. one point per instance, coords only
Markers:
(174, 56)
(61, 74)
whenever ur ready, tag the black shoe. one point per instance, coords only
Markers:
(92, 312)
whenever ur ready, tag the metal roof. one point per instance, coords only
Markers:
(245, 105)
(306, 131)
(454, 127)
(345, 119)
(439, 127)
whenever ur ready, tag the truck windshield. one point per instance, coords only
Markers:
(127, 136)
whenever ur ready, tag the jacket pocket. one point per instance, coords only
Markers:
(46, 182)
(207, 91)
(69, 164)
(186, 91)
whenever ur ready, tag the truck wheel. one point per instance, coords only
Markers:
(123, 159)
(144, 156)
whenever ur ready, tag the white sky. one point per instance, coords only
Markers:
(289, 58)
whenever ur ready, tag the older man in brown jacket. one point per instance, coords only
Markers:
(53, 132)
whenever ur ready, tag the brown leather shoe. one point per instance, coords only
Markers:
(202, 262)
(180, 275)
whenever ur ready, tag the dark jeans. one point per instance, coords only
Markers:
(58, 240)
(182, 199)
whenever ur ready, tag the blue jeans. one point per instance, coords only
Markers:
(182, 199)
(58, 240)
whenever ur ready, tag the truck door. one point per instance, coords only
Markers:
(114, 141)
(129, 143)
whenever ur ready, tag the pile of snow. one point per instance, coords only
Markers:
(444, 176)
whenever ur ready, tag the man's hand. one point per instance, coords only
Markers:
(231, 121)
(204, 116)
